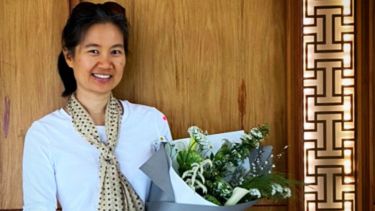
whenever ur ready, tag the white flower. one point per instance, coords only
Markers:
(276, 188)
(196, 133)
(256, 132)
(248, 136)
(287, 192)
(273, 191)
(190, 176)
(237, 195)
(255, 192)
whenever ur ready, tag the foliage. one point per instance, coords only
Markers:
(238, 172)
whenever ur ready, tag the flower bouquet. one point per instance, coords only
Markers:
(227, 171)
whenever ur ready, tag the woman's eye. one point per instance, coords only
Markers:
(116, 52)
(94, 51)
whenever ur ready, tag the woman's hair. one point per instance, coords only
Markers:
(83, 16)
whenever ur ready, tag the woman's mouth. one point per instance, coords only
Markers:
(101, 76)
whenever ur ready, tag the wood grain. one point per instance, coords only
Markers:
(294, 74)
(362, 90)
(217, 64)
(264, 69)
(365, 76)
(30, 87)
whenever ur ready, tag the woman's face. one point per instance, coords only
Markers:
(99, 60)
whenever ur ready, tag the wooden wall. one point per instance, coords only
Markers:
(29, 84)
(218, 64)
(366, 103)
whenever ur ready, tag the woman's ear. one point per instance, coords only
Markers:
(68, 57)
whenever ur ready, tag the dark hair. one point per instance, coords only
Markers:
(83, 16)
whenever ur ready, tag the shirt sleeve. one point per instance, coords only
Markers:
(39, 186)
(163, 126)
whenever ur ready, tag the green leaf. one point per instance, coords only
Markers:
(212, 199)
(185, 158)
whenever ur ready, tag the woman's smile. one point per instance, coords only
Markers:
(101, 76)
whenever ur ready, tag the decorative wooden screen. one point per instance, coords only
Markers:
(329, 105)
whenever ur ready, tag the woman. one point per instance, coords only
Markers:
(87, 155)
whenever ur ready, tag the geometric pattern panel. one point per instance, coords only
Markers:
(329, 104)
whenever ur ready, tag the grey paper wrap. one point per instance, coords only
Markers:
(161, 196)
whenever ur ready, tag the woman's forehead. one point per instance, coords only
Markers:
(103, 34)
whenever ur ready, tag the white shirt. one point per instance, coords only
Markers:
(58, 163)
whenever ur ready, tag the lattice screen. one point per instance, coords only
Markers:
(329, 100)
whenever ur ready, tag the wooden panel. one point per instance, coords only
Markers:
(366, 103)
(295, 105)
(29, 83)
(218, 64)
(364, 195)
(264, 69)
(184, 64)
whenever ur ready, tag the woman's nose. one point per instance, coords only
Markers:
(105, 62)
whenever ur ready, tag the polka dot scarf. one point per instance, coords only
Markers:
(116, 192)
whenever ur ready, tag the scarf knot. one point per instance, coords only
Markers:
(116, 193)
(109, 159)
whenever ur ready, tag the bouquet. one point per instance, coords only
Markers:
(228, 171)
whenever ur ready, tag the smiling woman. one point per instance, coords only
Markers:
(88, 152)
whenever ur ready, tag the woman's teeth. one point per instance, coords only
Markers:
(101, 76)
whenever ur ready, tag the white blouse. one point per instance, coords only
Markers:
(59, 164)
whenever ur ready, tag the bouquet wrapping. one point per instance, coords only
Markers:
(169, 191)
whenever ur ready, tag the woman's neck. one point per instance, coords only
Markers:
(95, 105)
